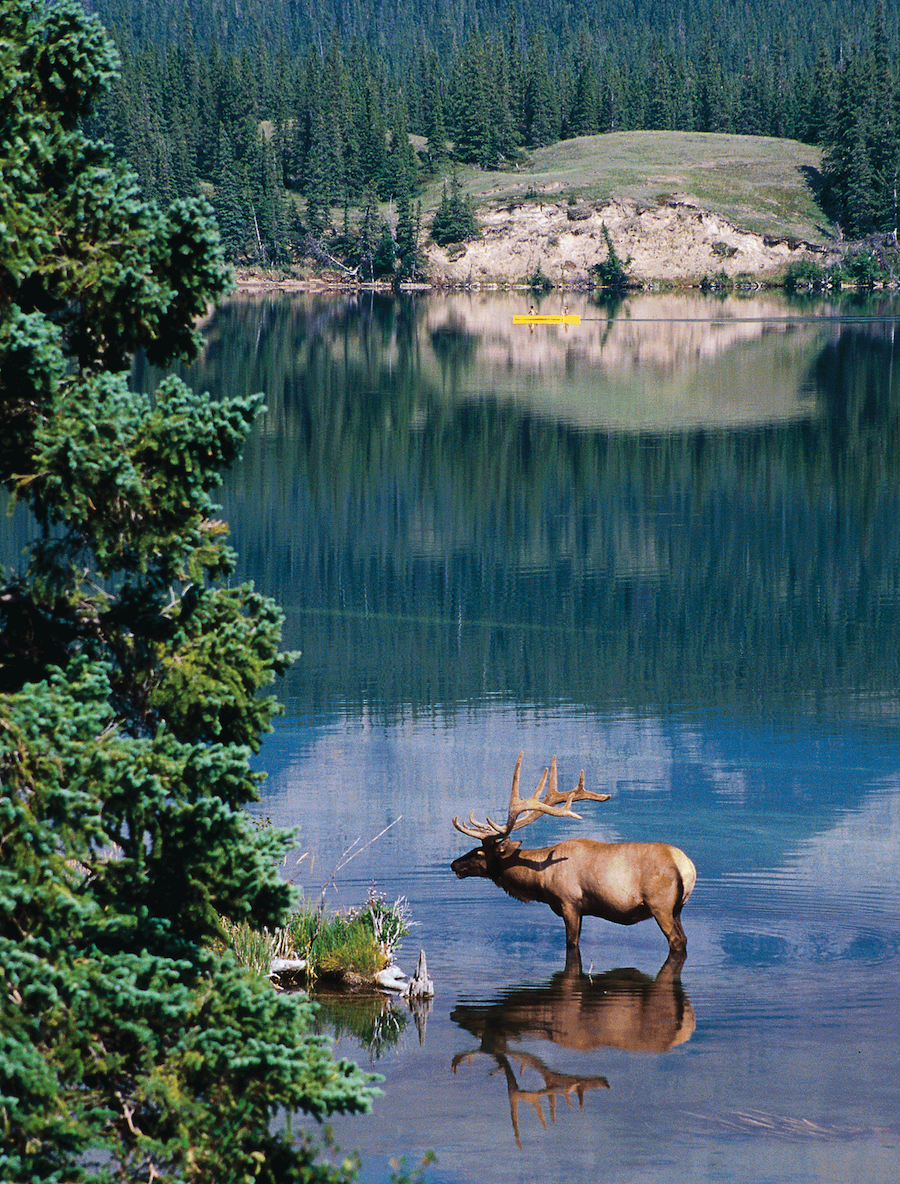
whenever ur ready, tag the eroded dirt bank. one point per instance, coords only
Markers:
(675, 242)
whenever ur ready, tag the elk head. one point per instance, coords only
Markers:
(496, 848)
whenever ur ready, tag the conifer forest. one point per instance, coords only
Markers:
(289, 116)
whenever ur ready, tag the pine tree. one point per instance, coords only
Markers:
(583, 118)
(884, 145)
(661, 112)
(371, 135)
(130, 671)
(712, 104)
(815, 99)
(847, 163)
(318, 197)
(407, 239)
(399, 176)
(779, 111)
(611, 105)
(755, 99)
(384, 255)
(541, 123)
(436, 145)
(505, 132)
(228, 202)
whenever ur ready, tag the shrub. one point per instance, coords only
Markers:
(805, 273)
(611, 271)
(863, 268)
(538, 282)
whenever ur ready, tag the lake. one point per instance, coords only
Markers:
(663, 545)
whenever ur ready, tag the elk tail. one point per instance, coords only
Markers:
(686, 871)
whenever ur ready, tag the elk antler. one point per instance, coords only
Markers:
(525, 810)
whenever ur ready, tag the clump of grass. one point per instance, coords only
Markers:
(255, 948)
(358, 943)
(334, 944)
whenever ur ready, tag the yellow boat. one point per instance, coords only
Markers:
(569, 318)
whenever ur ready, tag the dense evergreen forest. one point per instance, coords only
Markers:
(290, 116)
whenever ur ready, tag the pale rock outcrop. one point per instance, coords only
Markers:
(675, 241)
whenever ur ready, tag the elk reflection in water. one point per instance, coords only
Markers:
(623, 1009)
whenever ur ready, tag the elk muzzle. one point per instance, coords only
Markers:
(473, 863)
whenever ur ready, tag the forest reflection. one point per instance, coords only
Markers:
(622, 1009)
(434, 541)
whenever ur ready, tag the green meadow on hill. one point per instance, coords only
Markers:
(761, 184)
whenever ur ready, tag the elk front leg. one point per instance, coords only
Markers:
(572, 918)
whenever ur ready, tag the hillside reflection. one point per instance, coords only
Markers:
(670, 362)
(437, 537)
(621, 1009)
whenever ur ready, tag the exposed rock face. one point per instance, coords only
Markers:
(675, 241)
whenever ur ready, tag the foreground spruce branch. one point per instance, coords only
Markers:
(130, 678)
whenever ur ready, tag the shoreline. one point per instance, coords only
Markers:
(553, 246)
(556, 245)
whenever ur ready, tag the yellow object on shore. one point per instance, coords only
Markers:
(569, 318)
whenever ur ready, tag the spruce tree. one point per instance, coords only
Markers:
(435, 126)
(661, 106)
(228, 202)
(454, 220)
(541, 124)
(472, 131)
(712, 104)
(583, 119)
(884, 149)
(407, 239)
(847, 164)
(815, 99)
(130, 668)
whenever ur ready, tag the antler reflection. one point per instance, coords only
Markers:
(556, 1085)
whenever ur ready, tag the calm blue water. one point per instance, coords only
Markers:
(662, 545)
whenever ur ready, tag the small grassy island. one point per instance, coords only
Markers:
(349, 951)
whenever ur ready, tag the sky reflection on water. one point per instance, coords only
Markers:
(791, 976)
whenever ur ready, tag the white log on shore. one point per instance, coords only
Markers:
(419, 986)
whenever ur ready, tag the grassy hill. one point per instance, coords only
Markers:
(760, 184)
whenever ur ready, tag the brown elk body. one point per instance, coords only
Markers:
(620, 882)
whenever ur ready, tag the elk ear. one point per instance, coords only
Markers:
(510, 846)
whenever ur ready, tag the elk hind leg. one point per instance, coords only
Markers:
(669, 921)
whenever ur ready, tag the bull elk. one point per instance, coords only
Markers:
(620, 882)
